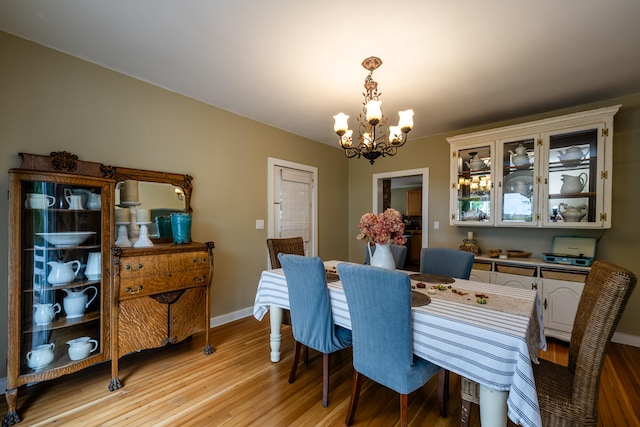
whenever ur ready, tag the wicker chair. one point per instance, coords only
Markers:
(292, 245)
(568, 395)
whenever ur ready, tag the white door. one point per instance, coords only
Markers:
(293, 201)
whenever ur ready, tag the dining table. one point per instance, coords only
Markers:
(485, 332)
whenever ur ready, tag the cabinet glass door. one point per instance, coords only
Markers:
(61, 274)
(517, 203)
(473, 185)
(572, 178)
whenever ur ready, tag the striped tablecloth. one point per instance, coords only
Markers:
(492, 347)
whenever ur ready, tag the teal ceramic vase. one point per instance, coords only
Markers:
(181, 228)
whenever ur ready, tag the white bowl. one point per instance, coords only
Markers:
(67, 239)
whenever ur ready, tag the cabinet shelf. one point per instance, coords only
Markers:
(573, 195)
(64, 323)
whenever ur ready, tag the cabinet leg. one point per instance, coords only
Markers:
(208, 349)
(115, 384)
(12, 416)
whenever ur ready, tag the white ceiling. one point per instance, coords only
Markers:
(293, 64)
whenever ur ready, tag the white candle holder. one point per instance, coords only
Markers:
(123, 238)
(143, 240)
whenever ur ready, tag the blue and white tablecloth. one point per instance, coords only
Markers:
(492, 347)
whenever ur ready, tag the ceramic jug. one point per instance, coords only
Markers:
(520, 158)
(79, 348)
(75, 202)
(40, 356)
(573, 184)
(94, 266)
(62, 272)
(90, 200)
(45, 313)
(76, 301)
(39, 201)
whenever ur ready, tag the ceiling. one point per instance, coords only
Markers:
(293, 64)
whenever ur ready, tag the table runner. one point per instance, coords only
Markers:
(487, 346)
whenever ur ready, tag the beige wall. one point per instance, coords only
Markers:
(50, 101)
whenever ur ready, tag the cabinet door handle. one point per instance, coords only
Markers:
(545, 304)
(128, 267)
(131, 291)
(534, 286)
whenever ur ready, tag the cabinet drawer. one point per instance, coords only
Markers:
(131, 267)
(149, 285)
(189, 261)
(520, 270)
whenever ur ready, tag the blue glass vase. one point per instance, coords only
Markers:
(181, 228)
(163, 224)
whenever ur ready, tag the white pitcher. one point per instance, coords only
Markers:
(94, 266)
(45, 313)
(77, 301)
(79, 348)
(40, 356)
(63, 272)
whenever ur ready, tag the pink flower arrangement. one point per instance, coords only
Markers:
(386, 227)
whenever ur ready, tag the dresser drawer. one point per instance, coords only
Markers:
(189, 261)
(156, 284)
(132, 267)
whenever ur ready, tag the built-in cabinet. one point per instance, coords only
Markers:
(75, 298)
(548, 173)
(414, 203)
(559, 287)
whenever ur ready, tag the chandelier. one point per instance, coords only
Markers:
(376, 138)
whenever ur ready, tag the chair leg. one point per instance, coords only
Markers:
(325, 379)
(306, 355)
(443, 391)
(296, 359)
(355, 396)
(404, 416)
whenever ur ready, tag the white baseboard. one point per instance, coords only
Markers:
(230, 317)
(627, 339)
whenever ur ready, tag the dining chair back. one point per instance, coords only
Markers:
(399, 253)
(379, 303)
(311, 315)
(568, 395)
(446, 262)
(290, 245)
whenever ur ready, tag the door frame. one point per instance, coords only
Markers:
(272, 163)
(377, 195)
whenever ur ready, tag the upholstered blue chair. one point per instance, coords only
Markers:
(399, 253)
(446, 262)
(380, 310)
(311, 317)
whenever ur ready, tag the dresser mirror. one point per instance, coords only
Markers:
(149, 197)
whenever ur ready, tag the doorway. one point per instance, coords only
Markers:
(292, 202)
(385, 185)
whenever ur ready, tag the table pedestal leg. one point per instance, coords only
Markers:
(493, 407)
(276, 335)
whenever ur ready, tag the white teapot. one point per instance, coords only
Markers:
(475, 163)
(573, 154)
(63, 272)
(77, 301)
(520, 158)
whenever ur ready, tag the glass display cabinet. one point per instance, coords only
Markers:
(554, 172)
(472, 185)
(59, 235)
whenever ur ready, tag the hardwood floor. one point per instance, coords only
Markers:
(239, 386)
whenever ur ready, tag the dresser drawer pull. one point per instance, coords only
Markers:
(128, 267)
(131, 291)
(200, 279)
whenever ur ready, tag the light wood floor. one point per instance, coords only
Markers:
(239, 386)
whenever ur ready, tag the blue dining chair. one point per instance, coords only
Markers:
(311, 317)
(379, 303)
(446, 262)
(399, 253)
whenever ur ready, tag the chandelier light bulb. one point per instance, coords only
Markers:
(374, 112)
(340, 124)
(406, 120)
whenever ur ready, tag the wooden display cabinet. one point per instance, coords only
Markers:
(49, 247)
